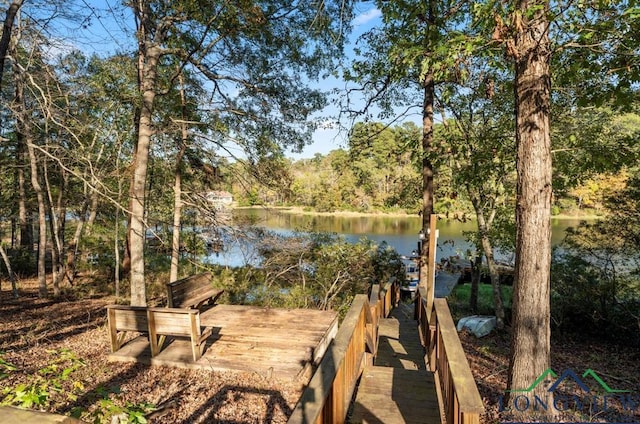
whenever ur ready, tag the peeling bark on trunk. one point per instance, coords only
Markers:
(530, 339)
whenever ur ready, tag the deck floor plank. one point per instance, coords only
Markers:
(398, 388)
(396, 395)
(277, 343)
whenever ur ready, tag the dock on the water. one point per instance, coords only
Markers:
(278, 343)
(397, 388)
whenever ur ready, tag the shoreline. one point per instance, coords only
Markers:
(299, 210)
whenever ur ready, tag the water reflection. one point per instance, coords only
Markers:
(401, 232)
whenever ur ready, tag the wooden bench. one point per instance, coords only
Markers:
(176, 322)
(122, 319)
(195, 292)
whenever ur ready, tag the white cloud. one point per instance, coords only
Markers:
(367, 16)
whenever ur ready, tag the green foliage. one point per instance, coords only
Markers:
(623, 206)
(54, 384)
(597, 62)
(5, 367)
(459, 299)
(23, 262)
(311, 271)
(47, 384)
(595, 275)
(590, 142)
(109, 411)
(591, 300)
(378, 172)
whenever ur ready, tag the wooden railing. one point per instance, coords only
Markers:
(460, 397)
(326, 399)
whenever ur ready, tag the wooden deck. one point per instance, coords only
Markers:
(398, 388)
(278, 343)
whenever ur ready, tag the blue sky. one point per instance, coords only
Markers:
(111, 26)
(328, 137)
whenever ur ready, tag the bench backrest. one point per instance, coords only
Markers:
(190, 290)
(128, 318)
(174, 322)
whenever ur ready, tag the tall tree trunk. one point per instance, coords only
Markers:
(42, 219)
(24, 129)
(177, 215)
(429, 87)
(116, 238)
(427, 173)
(57, 220)
(485, 219)
(498, 304)
(530, 338)
(177, 186)
(139, 180)
(24, 220)
(12, 11)
(137, 110)
(74, 245)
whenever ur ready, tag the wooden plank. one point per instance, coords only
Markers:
(279, 346)
(192, 291)
(128, 318)
(172, 321)
(394, 395)
(122, 320)
(399, 341)
(10, 414)
(463, 381)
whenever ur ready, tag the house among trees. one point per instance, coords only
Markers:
(220, 199)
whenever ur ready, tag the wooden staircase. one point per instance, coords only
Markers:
(397, 388)
(378, 358)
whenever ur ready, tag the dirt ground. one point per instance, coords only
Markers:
(43, 338)
(53, 353)
(618, 367)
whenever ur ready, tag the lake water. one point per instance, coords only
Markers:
(399, 232)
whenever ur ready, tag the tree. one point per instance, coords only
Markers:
(26, 135)
(590, 43)
(478, 142)
(7, 28)
(256, 50)
(531, 330)
(588, 142)
(419, 46)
